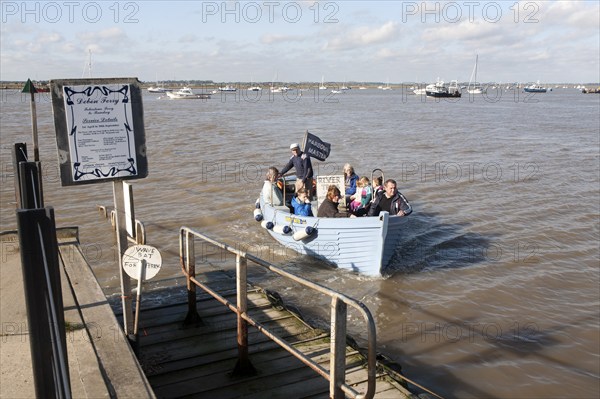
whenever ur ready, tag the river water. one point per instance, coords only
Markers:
(494, 291)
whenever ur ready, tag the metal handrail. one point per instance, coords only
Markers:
(336, 375)
(41, 280)
(140, 229)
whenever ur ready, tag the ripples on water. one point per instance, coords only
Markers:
(494, 290)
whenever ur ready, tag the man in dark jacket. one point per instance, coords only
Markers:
(304, 171)
(390, 200)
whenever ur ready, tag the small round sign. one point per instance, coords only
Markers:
(142, 255)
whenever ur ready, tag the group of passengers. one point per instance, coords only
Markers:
(361, 197)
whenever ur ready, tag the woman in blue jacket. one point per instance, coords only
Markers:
(350, 179)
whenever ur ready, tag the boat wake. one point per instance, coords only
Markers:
(431, 245)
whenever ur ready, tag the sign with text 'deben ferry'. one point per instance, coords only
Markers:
(99, 127)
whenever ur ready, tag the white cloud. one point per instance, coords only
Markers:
(111, 34)
(70, 47)
(50, 38)
(188, 38)
(275, 38)
(576, 14)
(466, 32)
(362, 36)
(370, 40)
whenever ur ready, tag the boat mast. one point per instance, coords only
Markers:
(88, 66)
(90, 63)
(476, 61)
(474, 73)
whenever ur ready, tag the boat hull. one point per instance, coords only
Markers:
(530, 90)
(442, 94)
(364, 245)
(174, 96)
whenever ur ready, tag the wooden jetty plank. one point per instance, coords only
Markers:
(285, 385)
(170, 320)
(198, 361)
(213, 351)
(271, 374)
(222, 327)
(87, 380)
(210, 325)
(123, 372)
(221, 366)
(162, 363)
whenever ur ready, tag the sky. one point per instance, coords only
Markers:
(302, 41)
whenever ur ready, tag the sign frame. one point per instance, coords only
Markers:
(115, 137)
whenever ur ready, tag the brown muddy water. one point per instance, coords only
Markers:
(494, 291)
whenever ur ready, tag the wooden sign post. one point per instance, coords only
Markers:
(100, 137)
(30, 88)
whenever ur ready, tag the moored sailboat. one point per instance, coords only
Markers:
(474, 87)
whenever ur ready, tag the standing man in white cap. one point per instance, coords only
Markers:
(304, 171)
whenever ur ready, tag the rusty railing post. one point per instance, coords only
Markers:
(192, 316)
(243, 366)
(338, 348)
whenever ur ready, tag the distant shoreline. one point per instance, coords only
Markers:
(209, 85)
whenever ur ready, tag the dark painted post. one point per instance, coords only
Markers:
(30, 88)
(19, 155)
(43, 297)
(30, 185)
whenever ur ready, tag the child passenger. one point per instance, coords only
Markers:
(301, 203)
(363, 195)
(377, 184)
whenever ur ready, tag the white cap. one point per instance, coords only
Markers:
(294, 145)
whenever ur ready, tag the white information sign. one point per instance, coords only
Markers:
(100, 129)
(323, 183)
(142, 255)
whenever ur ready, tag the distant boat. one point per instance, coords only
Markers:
(439, 89)
(535, 88)
(254, 88)
(41, 88)
(474, 87)
(322, 87)
(186, 93)
(158, 89)
(336, 91)
(386, 87)
(421, 91)
(227, 88)
(585, 90)
(281, 89)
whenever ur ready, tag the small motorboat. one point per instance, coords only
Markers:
(535, 88)
(186, 93)
(439, 89)
(158, 90)
(227, 88)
